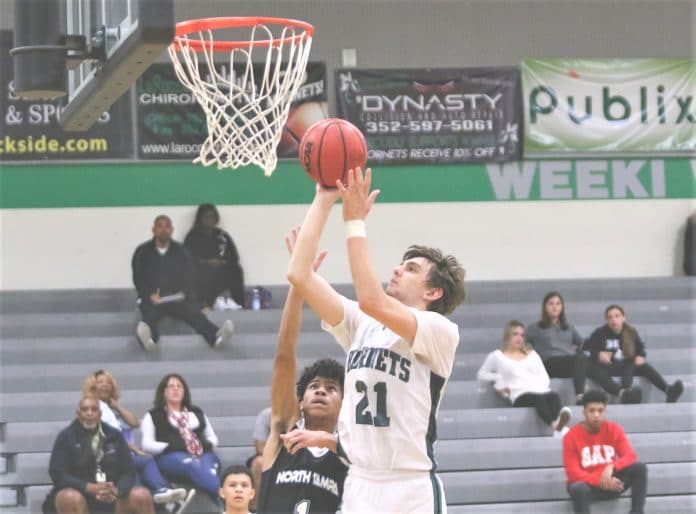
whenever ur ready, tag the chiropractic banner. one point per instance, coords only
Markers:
(609, 105)
(442, 115)
(171, 125)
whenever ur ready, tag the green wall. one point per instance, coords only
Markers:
(141, 183)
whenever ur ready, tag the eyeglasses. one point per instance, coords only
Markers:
(175, 386)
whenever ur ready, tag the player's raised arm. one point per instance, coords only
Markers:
(320, 296)
(284, 404)
(373, 300)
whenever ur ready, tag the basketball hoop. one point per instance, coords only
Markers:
(246, 103)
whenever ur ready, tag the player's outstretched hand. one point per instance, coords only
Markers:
(357, 197)
(299, 438)
(291, 240)
(327, 194)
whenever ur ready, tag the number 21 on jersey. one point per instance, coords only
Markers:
(363, 412)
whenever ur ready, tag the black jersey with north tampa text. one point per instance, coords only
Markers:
(309, 482)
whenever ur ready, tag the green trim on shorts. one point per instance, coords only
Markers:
(437, 493)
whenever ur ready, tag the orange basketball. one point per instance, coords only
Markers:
(330, 148)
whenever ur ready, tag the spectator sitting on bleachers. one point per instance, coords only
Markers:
(103, 385)
(616, 349)
(599, 461)
(163, 277)
(518, 374)
(92, 469)
(559, 344)
(181, 437)
(237, 489)
(216, 261)
(262, 427)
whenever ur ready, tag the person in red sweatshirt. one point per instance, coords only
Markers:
(599, 461)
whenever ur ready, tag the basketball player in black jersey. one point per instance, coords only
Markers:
(302, 474)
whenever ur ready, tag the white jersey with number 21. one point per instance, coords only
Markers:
(392, 390)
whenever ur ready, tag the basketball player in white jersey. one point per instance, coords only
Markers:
(400, 349)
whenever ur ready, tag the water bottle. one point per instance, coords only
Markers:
(256, 299)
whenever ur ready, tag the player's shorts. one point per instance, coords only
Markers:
(395, 493)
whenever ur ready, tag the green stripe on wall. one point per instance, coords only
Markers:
(151, 184)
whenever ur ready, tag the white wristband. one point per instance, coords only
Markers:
(355, 228)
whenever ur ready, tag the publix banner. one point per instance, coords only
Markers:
(30, 129)
(171, 125)
(612, 105)
(434, 115)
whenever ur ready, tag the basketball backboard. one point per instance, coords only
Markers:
(98, 48)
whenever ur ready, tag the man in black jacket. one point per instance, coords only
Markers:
(163, 277)
(92, 469)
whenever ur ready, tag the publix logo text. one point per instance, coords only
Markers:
(651, 103)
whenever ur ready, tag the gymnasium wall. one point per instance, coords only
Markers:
(75, 226)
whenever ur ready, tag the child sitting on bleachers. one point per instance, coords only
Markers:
(237, 489)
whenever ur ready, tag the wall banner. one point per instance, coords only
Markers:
(434, 115)
(171, 125)
(609, 105)
(30, 129)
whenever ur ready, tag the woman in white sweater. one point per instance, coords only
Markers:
(518, 374)
(181, 438)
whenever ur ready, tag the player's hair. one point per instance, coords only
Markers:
(160, 402)
(325, 368)
(594, 396)
(205, 208)
(236, 469)
(89, 386)
(629, 335)
(510, 326)
(445, 273)
(545, 318)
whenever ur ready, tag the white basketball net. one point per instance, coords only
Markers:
(246, 108)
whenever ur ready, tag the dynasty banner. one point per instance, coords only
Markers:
(609, 105)
(442, 115)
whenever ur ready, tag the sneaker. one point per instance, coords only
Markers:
(231, 305)
(224, 334)
(181, 506)
(675, 391)
(169, 495)
(220, 303)
(145, 336)
(563, 418)
(632, 395)
(579, 399)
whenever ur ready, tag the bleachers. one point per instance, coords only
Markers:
(492, 458)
